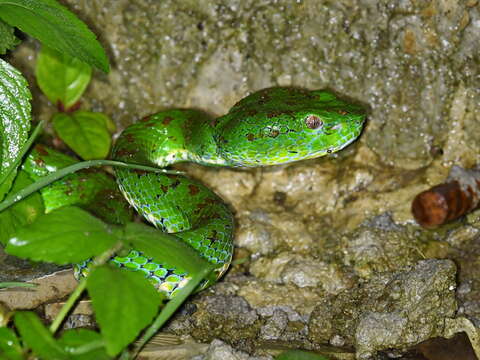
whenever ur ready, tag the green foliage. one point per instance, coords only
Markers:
(132, 304)
(78, 344)
(124, 302)
(66, 235)
(300, 355)
(61, 77)
(83, 344)
(8, 40)
(56, 27)
(14, 121)
(23, 212)
(10, 348)
(84, 132)
(37, 337)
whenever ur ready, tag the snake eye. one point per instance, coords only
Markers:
(313, 122)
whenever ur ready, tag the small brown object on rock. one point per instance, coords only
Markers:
(449, 201)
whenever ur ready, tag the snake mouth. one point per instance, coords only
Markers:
(347, 132)
(349, 140)
(356, 129)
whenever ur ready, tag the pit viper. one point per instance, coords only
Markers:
(269, 127)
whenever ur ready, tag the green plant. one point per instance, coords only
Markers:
(54, 26)
(63, 79)
(71, 234)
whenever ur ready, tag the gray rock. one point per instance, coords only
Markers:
(218, 350)
(391, 311)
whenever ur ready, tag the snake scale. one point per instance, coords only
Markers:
(269, 127)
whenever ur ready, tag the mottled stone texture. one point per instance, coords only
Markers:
(408, 60)
(311, 235)
(392, 310)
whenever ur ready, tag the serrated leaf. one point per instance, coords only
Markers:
(61, 77)
(23, 212)
(37, 337)
(56, 27)
(83, 344)
(300, 355)
(85, 133)
(124, 303)
(67, 235)
(8, 40)
(14, 122)
(10, 348)
(163, 247)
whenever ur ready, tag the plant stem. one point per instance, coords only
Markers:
(72, 299)
(170, 308)
(23, 151)
(14, 284)
(93, 345)
(22, 194)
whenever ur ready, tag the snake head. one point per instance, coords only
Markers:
(282, 125)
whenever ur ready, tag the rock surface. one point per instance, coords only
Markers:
(218, 350)
(390, 311)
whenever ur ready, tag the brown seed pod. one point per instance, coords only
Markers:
(448, 201)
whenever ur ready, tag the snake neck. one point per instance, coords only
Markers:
(170, 137)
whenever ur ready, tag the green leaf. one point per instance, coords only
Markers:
(23, 212)
(67, 235)
(300, 355)
(83, 344)
(163, 247)
(37, 337)
(85, 132)
(124, 303)
(56, 27)
(8, 40)
(111, 127)
(10, 348)
(61, 77)
(14, 122)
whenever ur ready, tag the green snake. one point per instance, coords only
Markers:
(269, 127)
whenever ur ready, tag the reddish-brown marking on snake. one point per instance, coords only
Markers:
(193, 189)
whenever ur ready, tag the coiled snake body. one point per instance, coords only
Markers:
(269, 127)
